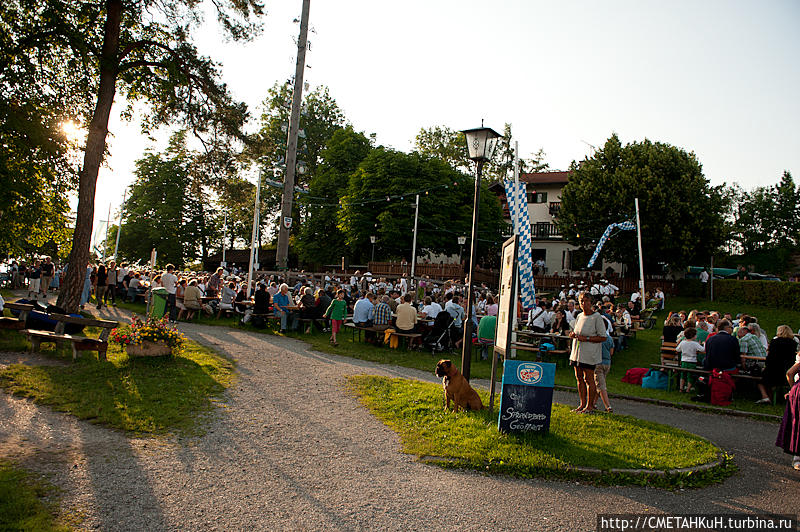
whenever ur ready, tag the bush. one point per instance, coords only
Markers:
(690, 288)
(776, 294)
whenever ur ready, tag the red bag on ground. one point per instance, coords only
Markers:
(722, 387)
(634, 376)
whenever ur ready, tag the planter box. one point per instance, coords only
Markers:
(148, 349)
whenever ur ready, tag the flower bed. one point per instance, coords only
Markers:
(152, 337)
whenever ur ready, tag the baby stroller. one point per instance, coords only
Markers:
(438, 339)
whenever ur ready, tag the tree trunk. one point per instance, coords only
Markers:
(70, 295)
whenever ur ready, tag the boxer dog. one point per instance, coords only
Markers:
(457, 388)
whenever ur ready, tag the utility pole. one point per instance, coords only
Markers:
(224, 236)
(119, 227)
(414, 245)
(643, 303)
(255, 234)
(282, 253)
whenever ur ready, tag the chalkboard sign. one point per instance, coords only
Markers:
(526, 398)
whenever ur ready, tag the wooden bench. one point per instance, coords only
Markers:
(677, 368)
(523, 346)
(669, 352)
(353, 328)
(12, 323)
(408, 336)
(78, 343)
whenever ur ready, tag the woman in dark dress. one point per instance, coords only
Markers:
(560, 323)
(780, 357)
(672, 328)
(789, 433)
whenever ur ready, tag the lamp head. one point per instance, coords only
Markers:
(481, 143)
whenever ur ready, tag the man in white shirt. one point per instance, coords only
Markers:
(431, 308)
(403, 285)
(595, 290)
(563, 293)
(537, 318)
(170, 282)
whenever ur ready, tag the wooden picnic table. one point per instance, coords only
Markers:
(79, 343)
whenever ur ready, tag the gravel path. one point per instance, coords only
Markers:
(292, 449)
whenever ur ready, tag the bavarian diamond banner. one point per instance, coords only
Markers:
(625, 226)
(518, 207)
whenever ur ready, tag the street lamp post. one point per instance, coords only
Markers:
(461, 241)
(481, 143)
(373, 239)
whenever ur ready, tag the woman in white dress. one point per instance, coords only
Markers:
(588, 334)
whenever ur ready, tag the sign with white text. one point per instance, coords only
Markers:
(526, 398)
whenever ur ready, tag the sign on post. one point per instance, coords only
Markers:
(505, 308)
(526, 398)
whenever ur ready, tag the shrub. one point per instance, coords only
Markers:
(690, 288)
(776, 294)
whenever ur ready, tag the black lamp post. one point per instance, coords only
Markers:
(373, 239)
(461, 241)
(481, 143)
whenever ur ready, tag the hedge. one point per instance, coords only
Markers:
(776, 294)
(691, 288)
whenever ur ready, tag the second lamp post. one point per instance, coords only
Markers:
(481, 143)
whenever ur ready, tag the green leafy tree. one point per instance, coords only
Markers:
(320, 118)
(380, 201)
(320, 240)
(681, 214)
(451, 147)
(766, 224)
(143, 50)
(155, 207)
(36, 177)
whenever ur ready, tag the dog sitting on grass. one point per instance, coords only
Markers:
(457, 388)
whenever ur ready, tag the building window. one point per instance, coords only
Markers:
(537, 197)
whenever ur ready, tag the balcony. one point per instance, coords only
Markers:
(544, 231)
(555, 207)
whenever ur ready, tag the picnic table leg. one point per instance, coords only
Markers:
(74, 351)
(35, 343)
(101, 353)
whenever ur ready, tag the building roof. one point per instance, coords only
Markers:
(545, 178)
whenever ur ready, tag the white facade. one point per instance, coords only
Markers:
(544, 202)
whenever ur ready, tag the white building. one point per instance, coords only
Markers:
(544, 202)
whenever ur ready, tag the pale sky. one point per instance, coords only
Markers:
(719, 78)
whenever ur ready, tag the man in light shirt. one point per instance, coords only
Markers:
(170, 282)
(431, 308)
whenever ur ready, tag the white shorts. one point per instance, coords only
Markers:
(34, 285)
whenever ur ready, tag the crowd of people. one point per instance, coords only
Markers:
(721, 342)
(593, 316)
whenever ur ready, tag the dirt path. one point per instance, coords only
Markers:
(291, 449)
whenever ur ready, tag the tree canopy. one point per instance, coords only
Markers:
(681, 214)
(167, 208)
(320, 118)
(380, 201)
(769, 217)
(85, 52)
(450, 146)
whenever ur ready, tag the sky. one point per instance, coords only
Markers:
(718, 78)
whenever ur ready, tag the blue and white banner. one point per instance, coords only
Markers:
(624, 226)
(517, 199)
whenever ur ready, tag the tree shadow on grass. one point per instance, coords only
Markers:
(154, 395)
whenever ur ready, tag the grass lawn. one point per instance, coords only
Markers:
(471, 439)
(143, 395)
(23, 502)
